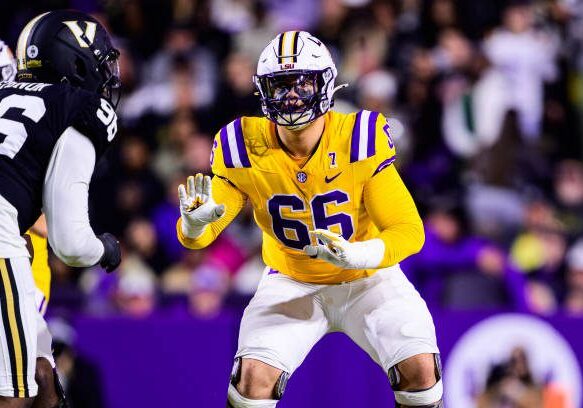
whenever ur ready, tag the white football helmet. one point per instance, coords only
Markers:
(295, 78)
(7, 63)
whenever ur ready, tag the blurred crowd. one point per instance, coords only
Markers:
(485, 100)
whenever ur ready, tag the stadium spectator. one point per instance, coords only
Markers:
(79, 376)
(574, 293)
(511, 384)
(135, 294)
(454, 264)
(526, 57)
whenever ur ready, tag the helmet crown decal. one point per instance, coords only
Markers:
(84, 38)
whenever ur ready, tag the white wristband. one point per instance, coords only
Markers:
(367, 254)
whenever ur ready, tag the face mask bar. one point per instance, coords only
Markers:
(303, 85)
(292, 98)
(109, 69)
(108, 65)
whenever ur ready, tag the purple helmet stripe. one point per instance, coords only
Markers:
(241, 144)
(355, 143)
(226, 148)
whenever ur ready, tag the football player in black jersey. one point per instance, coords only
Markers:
(56, 120)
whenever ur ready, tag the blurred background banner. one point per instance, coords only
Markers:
(488, 357)
(485, 105)
(496, 355)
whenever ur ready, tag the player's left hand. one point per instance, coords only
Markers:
(197, 207)
(345, 254)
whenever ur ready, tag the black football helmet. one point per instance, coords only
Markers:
(68, 46)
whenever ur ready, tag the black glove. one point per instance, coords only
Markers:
(111, 252)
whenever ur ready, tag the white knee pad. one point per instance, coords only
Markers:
(236, 400)
(420, 398)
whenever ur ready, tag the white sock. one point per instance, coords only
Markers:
(420, 398)
(238, 401)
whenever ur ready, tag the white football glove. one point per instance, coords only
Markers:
(197, 207)
(348, 255)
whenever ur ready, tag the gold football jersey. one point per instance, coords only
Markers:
(291, 198)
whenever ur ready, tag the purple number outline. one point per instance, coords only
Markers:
(319, 217)
(302, 231)
(212, 158)
(386, 130)
(322, 220)
(332, 156)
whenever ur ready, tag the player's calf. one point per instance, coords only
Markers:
(416, 382)
(255, 384)
(50, 392)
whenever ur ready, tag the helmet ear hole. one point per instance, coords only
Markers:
(80, 69)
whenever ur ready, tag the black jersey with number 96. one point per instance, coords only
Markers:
(33, 116)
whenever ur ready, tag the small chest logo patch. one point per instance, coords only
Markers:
(301, 176)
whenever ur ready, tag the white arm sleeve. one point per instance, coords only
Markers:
(65, 200)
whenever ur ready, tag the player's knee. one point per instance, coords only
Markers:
(255, 379)
(417, 372)
(417, 382)
(422, 378)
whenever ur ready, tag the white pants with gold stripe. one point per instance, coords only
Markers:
(23, 332)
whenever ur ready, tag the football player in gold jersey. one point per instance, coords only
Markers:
(41, 271)
(336, 221)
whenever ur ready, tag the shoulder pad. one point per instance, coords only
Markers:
(98, 121)
(234, 151)
(363, 140)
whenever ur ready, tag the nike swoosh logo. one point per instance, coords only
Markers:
(316, 56)
(328, 180)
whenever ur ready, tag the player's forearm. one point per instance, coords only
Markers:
(77, 247)
(391, 247)
(401, 227)
(201, 241)
(65, 201)
(401, 241)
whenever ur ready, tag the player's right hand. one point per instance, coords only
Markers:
(197, 207)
